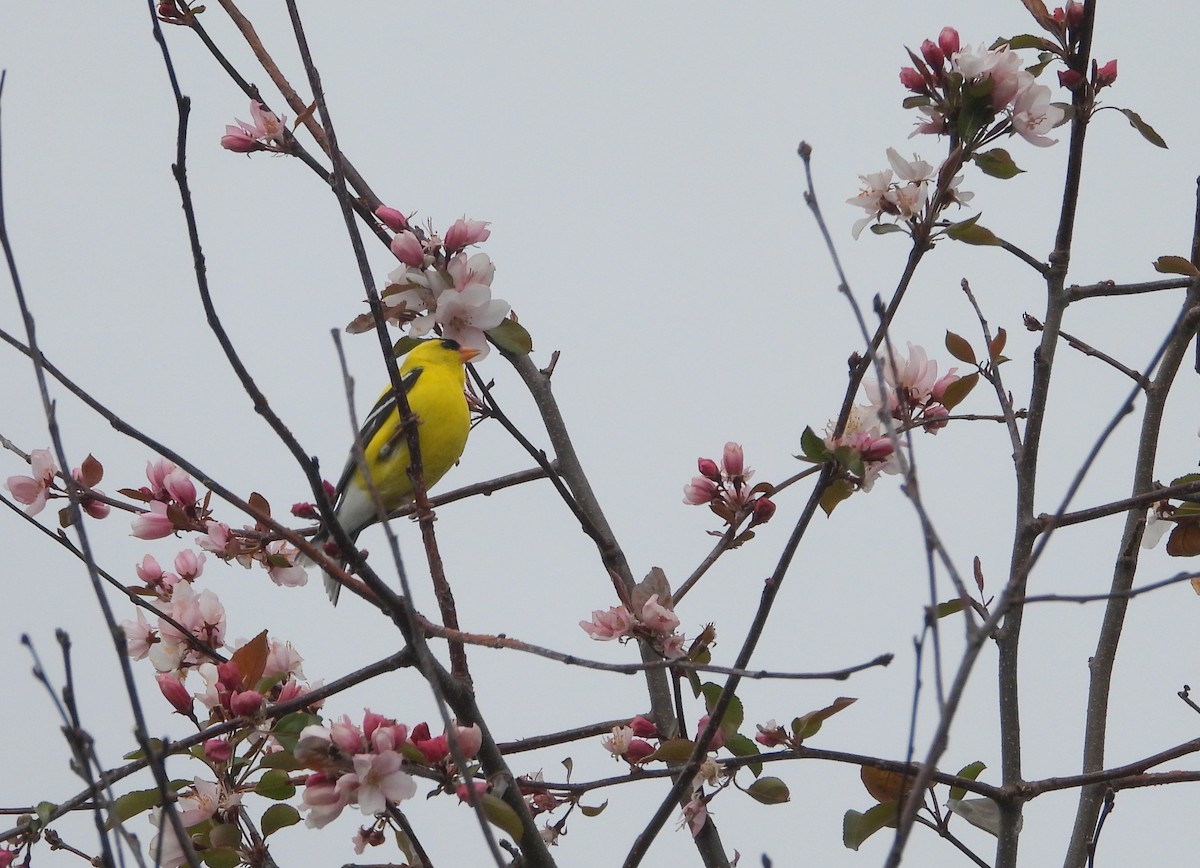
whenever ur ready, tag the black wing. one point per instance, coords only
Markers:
(374, 421)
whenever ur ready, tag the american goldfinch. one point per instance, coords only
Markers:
(432, 376)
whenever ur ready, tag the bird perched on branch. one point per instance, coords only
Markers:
(432, 377)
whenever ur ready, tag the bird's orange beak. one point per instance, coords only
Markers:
(467, 353)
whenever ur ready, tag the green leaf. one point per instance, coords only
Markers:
(740, 745)
(593, 810)
(998, 164)
(287, 729)
(1028, 40)
(221, 857)
(733, 714)
(280, 760)
(813, 446)
(916, 102)
(949, 607)
(769, 791)
(957, 391)
(1176, 265)
(981, 813)
(44, 810)
(885, 228)
(673, 750)
(960, 348)
(837, 491)
(970, 771)
(970, 232)
(511, 337)
(406, 345)
(858, 827)
(278, 817)
(501, 816)
(134, 803)
(275, 785)
(1148, 132)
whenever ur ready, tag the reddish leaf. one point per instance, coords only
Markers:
(960, 348)
(91, 472)
(251, 659)
(957, 391)
(1184, 541)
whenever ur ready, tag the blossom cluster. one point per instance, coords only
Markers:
(655, 621)
(438, 285)
(911, 394)
(366, 765)
(726, 491)
(907, 197)
(978, 94)
(265, 132)
(33, 491)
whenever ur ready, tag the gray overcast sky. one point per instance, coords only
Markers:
(637, 162)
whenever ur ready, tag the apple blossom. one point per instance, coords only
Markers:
(33, 490)
(613, 624)
(1033, 115)
(139, 636)
(695, 814)
(381, 780)
(321, 801)
(657, 617)
(464, 233)
(176, 694)
(948, 41)
(408, 249)
(1104, 76)
(617, 742)
(154, 523)
(281, 565)
(391, 218)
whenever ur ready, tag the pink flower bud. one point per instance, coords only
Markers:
(933, 54)
(464, 233)
(948, 41)
(238, 141)
(638, 750)
(372, 722)
(180, 487)
(305, 510)
(479, 788)
(1074, 13)
(935, 418)
(347, 736)
(771, 734)
(877, 449)
(408, 249)
(420, 732)
(938, 390)
(1070, 79)
(912, 79)
(732, 460)
(435, 749)
(699, 491)
(470, 739)
(154, 523)
(246, 703)
(1105, 75)
(762, 511)
(172, 688)
(149, 571)
(708, 469)
(188, 564)
(95, 508)
(392, 218)
(218, 750)
(643, 727)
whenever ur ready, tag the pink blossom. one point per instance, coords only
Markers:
(239, 139)
(671, 646)
(347, 736)
(33, 490)
(149, 571)
(938, 390)
(97, 509)
(391, 736)
(700, 490)
(465, 316)
(479, 788)
(912, 79)
(392, 218)
(718, 740)
(1105, 75)
(1074, 13)
(948, 41)
(470, 739)
(433, 749)
(638, 750)
(176, 694)
(408, 249)
(170, 851)
(282, 658)
(762, 511)
(695, 814)
(708, 469)
(382, 780)
(464, 233)
(322, 801)
(613, 624)
(771, 734)
(218, 750)
(933, 54)
(1070, 79)
(157, 472)
(180, 487)
(733, 461)
(657, 617)
(139, 636)
(282, 567)
(7, 857)
(1033, 115)
(246, 137)
(219, 540)
(643, 727)
(154, 523)
(189, 565)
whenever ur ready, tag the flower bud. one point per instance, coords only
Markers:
(912, 79)
(638, 750)
(732, 460)
(948, 41)
(708, 469)
(1070, 79)
(408, 249)
(762, 511)
(218, 750)
(643, 727)
(1074, 13)
(172, 688)
(246, 703)
(1103, 76)
(933, 54)
(718, 739)
(392, 218)
(479, 788)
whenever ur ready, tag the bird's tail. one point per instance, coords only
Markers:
(332, 586)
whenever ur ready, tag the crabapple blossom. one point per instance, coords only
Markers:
(408, 249)
(391, 218)
(176, 694)
(154, 523)
(139, 636)
(605, 626)
(321, 801)
(33, 490)
(282, 567)
(638, 750)
(695, 814)
(657, 617)
(265, 129)
(380, 780)
(464, 233)
(1033, 115)
(618, 741)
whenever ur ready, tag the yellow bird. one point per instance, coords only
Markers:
(432, 377)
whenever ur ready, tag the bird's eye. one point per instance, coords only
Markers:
(450, 345)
